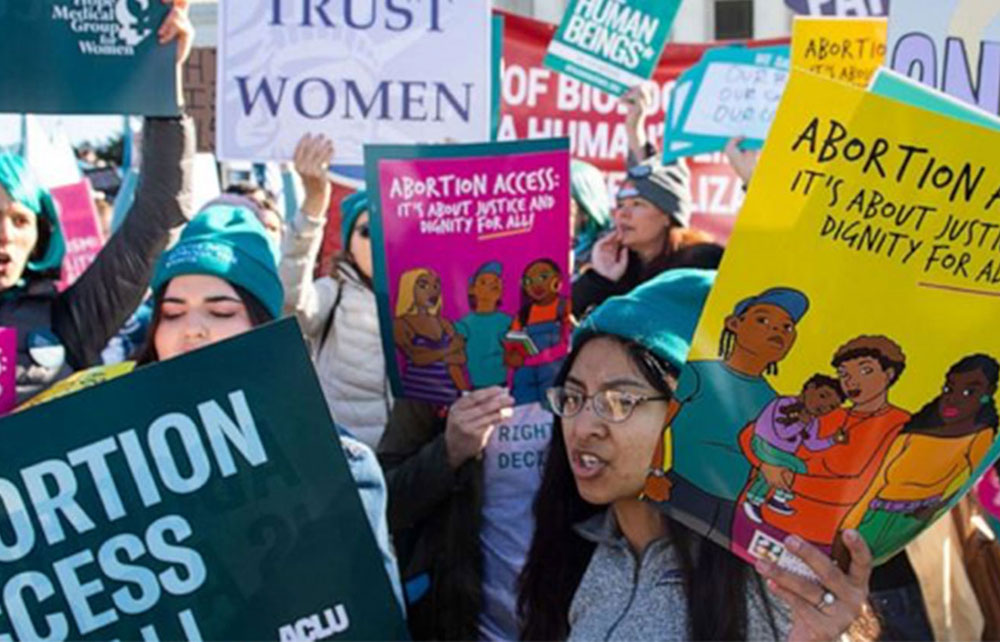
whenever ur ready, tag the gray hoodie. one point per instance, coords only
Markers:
(622, 598)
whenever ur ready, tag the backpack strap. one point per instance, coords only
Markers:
(333, 315)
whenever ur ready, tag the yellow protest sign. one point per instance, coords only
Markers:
(844, 372)
(845, 49)
(79, 381)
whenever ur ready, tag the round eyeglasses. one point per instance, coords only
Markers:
(614, 406)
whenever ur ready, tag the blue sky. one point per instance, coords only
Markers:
(95, 129)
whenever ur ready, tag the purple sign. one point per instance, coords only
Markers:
(471, 246)
(839, 7)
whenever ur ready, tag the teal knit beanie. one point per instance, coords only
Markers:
(350, 209)
(228, 242)
(661, 314)
(23, 187)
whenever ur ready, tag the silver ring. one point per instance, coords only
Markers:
(827, 600)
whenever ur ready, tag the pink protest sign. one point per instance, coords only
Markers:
(81, 230)
(988, 492)
(471, 246)
(8, 373)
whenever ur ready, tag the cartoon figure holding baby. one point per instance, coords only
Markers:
(836, 477)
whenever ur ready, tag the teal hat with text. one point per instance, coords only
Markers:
(228, 242)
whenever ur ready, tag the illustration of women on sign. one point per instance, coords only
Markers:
(538, 339)
(435, 353)
(931, 459)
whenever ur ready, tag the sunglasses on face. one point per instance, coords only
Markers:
(540, 279)
(614, 406)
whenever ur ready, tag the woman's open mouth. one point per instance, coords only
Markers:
(854, 393)
(586, 465)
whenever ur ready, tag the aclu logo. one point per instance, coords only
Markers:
(106, 27)
(318, 626)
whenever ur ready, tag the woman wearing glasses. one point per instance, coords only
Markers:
(337, 313)
(652, 222)
(605, 565)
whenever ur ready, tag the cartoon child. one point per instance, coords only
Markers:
(786, 424)
(538, 339)
(484, 328)
(931, 459)
(715, 400)
(435, 353)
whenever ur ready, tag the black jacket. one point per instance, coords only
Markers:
(84, 317)
(435, 518)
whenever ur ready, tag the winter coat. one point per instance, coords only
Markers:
(624, 598)
(58, 333)
(435, 516)
(348, 354)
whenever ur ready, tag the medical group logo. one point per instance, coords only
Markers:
(106, 27)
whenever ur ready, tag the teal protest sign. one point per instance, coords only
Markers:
(732, 92)
(204, 498)
(613, 45)
(894, 85)
(85, 57)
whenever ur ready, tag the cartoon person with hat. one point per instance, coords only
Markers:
(485, 326)
(715, 400)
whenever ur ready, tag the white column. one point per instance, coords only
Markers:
(549, 10)
(694, 21)
(771, 19)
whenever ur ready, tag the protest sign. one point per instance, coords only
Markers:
(846, 49)
(733, 92)
(471, 252)
(988, 493)
(952, 45)
(613, 45)
(72, 57)
(385, 74)
(79, 381)
(831, 416)
(80, 228)
(199, 94)
(893, 85)
(861, 8)
(8, 370)
(177, 502)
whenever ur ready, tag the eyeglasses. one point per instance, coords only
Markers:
(611, 405)
(364, 231)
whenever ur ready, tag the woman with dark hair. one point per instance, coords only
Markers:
(220, 280)
(337, 312)
(604, 564)
(60, 332)
(652, 230)
(931, 459)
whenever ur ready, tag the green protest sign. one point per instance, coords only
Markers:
(85, 57)
(203, 498)
(612, 44)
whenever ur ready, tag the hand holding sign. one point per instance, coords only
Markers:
(610, 258)
(471, 421)
(743, 161)
(177, 26)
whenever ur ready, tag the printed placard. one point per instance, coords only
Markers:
(951, 45)
(861, 8)
(80, 228)
(850, 50)
(94, 57)
(211, 500)
(832, 385)
(613, 45)
(390, 73)
(471, 247)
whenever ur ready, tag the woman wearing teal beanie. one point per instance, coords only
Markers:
(220, 280)
(60, 332)
(605, 565)
(338, 313)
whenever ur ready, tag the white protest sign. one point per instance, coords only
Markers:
(380, 71)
